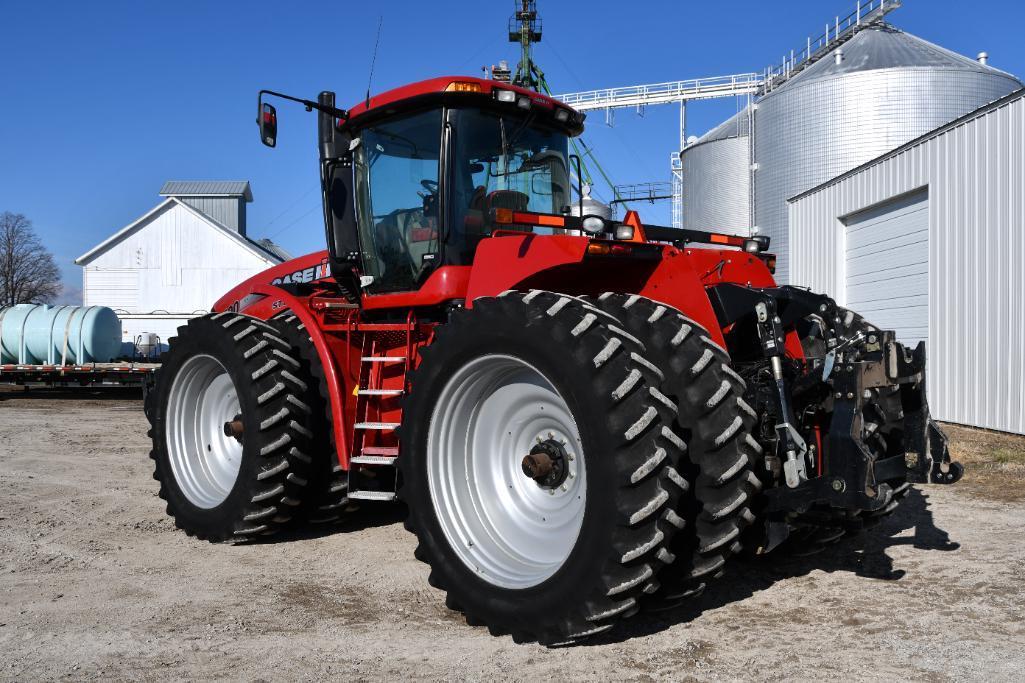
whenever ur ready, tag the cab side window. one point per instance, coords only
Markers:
(397, 199)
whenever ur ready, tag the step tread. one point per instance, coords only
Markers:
(383, 359)
(376, 425)
(381, 392)
(393, 451)
(371, 495)
(373, 460)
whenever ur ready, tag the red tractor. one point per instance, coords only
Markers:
(583, 416)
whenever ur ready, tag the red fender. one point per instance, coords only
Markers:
(274, 301)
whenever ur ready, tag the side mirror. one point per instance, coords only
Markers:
(267, 118)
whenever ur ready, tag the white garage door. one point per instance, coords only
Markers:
(887, 266)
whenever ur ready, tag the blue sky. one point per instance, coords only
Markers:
(102, 102)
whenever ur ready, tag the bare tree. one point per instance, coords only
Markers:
(28, 273)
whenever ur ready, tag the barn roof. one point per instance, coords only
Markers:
(263, 248)
(207, 188)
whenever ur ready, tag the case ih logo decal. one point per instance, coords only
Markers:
(318, 272)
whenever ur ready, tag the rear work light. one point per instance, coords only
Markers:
(505, 95)
(562, 115)
(463, 86)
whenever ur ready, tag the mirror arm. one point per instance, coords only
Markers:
(580, 182)
(309, 104)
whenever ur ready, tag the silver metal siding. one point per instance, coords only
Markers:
(810, 132)
(717, 186)
(228, 211)
(975, 175)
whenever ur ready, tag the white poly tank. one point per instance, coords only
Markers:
(32, 334)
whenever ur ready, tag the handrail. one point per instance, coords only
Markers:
(865, 13)
(662, 93)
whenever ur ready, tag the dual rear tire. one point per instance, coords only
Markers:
(232, 433)
(241, 430)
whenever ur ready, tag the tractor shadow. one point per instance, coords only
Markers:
(864, 555)
(367, 516)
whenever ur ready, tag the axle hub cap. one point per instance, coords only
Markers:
(546, 464)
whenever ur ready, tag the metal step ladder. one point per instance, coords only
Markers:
(375, 447)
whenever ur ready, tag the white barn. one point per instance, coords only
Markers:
(176, 260)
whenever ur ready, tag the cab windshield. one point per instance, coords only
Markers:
(503, 161)
(496, 161)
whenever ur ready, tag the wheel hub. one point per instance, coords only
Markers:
(547, 464)
(203, 444)
(234, 428)
(512, 530)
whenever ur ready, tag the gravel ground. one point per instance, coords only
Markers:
(96, 583)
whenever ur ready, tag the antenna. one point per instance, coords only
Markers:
(373, 59)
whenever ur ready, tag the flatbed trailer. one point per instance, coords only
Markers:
(93, 374)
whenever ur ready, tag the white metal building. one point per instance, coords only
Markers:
(929, 239)
(176, 260)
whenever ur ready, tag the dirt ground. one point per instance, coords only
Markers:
(96, 583)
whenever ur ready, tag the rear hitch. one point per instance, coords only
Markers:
(852, 477)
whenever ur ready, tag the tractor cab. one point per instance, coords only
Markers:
(414, 178)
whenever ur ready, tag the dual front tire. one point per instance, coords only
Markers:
(641, 516)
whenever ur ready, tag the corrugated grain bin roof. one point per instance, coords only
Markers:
(885, 47)
(207, 188)
(736, 126)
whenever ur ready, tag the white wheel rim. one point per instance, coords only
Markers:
(504, 526)
(205, 462)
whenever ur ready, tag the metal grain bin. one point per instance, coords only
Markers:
(888, 88)
(717, 178)
(33, 334)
